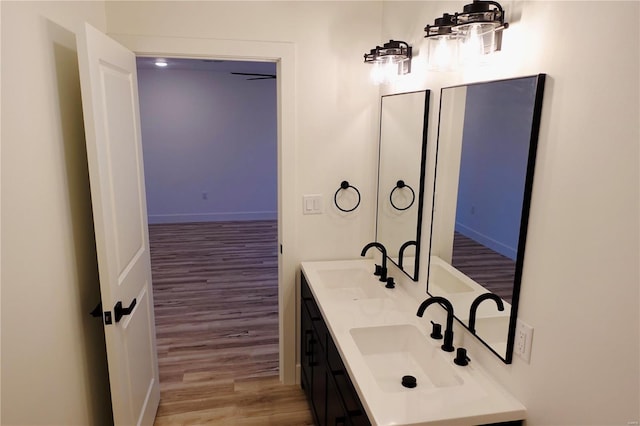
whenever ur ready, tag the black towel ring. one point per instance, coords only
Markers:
(344, 185)
(400, 184)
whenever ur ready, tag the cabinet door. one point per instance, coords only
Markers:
(351, 407)
(333, 399)
(319, 382)
(306, 348)
(336, 414)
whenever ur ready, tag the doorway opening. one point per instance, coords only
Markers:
(209, 137)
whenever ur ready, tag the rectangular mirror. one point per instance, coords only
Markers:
(487, 140)
(402, 153)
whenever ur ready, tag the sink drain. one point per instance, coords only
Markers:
(409, 382)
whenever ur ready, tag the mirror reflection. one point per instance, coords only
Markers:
(486, 153)
(403, 130)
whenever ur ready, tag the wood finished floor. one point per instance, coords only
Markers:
(485, 266)
(216, 307)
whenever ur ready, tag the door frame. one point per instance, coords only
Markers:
(283, 54)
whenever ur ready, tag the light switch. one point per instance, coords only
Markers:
(312, 204)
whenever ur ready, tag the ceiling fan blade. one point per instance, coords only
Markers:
(255, 74)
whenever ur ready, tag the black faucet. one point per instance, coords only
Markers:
(476, 303)
(383, 269)
(448, 333)
(402, 249)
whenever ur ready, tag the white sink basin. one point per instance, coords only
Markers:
(393, 351)
(353, 284)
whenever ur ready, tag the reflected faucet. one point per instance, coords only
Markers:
(448, 333)
(476, 303)
(402, 249)
(383, 269)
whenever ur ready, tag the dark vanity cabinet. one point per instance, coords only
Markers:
(333, 399)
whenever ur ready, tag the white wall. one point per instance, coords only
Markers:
(53, 355)
(209, 141)
(580, 288)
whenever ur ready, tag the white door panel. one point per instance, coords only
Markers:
(114, 151)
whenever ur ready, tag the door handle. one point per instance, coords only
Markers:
(119, 311)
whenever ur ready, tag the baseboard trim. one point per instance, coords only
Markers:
(210, 217)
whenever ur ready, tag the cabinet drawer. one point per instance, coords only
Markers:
(309, 302)
(343, 382)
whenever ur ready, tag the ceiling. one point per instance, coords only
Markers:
(214, 65)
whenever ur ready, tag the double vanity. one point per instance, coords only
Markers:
(359, 339)
(369, 353)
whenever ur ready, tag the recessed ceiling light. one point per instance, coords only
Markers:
(161, 63)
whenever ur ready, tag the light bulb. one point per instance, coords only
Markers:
(161, 63)
(385, 71)
(478, 41)
(442, 52)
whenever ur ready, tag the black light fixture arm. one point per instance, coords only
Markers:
(392, 49)
(477, 12)
(441, 26)
(480, 11)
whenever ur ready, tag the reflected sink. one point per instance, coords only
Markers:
(446, 280)
(393, 351)
(354, 284)
(494, 331)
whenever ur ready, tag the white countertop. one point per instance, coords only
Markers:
(474, 399)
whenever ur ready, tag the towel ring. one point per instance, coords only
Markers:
(344, 185)
(400, 184)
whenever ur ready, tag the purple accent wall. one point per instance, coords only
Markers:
(495, 151)
(210, 141)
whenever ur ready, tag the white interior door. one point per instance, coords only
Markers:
(112, 126)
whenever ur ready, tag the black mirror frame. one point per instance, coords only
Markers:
(423, 158)
(526, 205)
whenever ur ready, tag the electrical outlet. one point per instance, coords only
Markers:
(524, 338)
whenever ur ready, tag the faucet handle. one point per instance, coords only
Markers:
(436, 332)
(378, 270)
(390, 283)
(461, 357)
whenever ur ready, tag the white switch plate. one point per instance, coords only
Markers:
(312, 204)
(524, 338)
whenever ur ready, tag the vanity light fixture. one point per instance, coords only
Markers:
(480, 28)
(389, 60)
(442, 43)
(466, 37)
